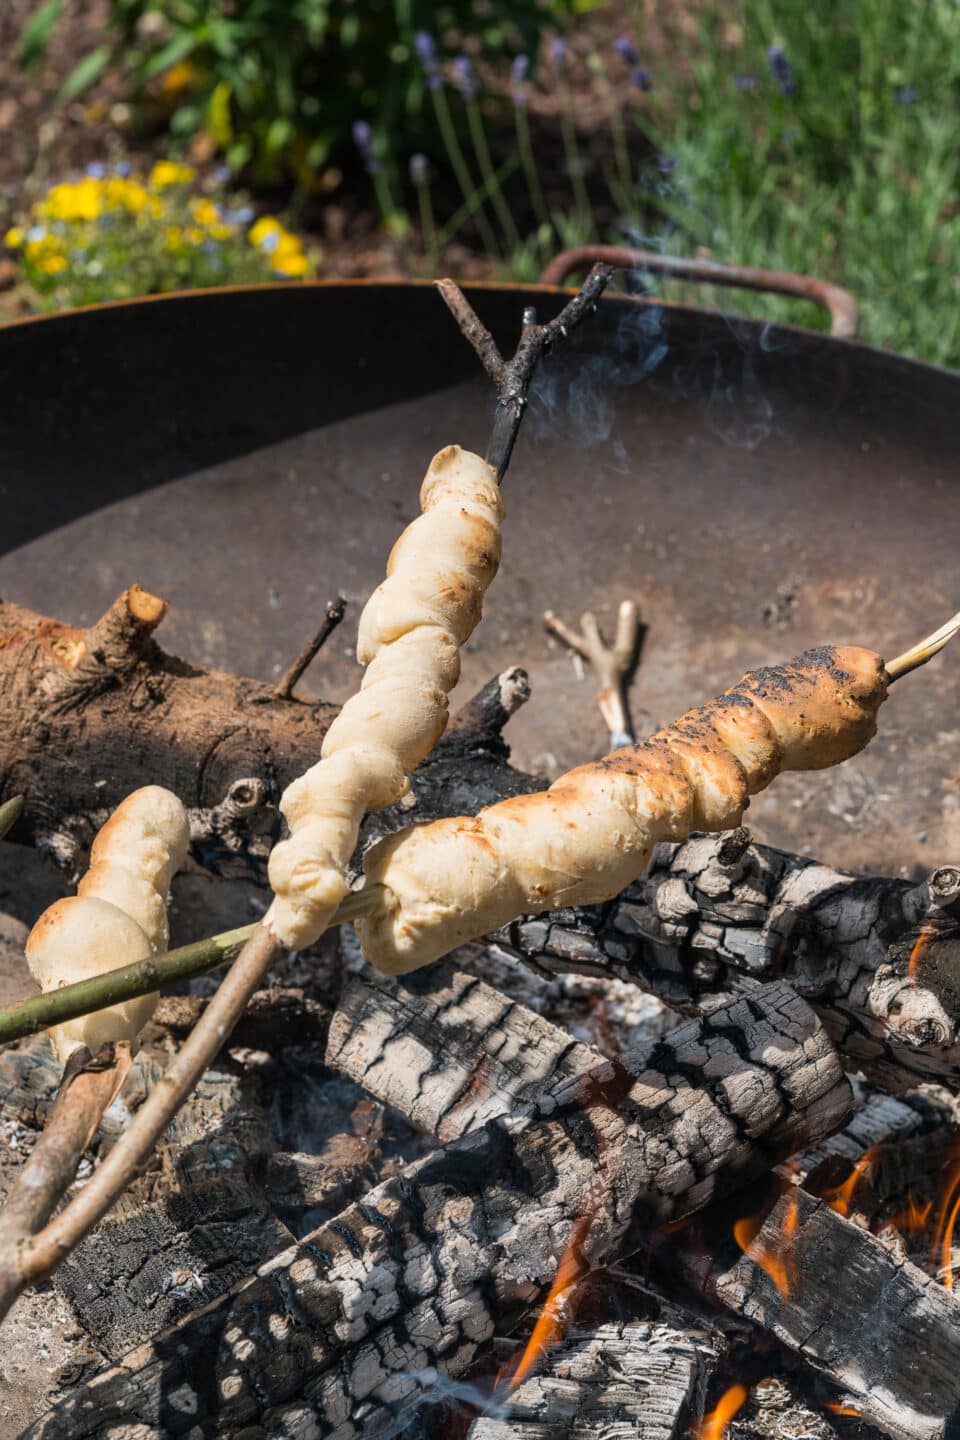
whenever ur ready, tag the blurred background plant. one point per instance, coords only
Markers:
(483, 137)
(115, 234)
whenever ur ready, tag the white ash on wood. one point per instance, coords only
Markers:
(346, 1330)
(637, 1381)
(718, 914)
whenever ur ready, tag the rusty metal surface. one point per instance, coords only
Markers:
(756, 490)
(844, 313)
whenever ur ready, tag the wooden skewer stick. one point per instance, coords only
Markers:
(32, 1257)
(612, 665)
(924, 650)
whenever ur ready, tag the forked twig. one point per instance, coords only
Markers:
(612, 664)
(512, 377)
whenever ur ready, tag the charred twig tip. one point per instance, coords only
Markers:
(283, 690)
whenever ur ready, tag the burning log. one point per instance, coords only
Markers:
(643, 1380)
(348, 1328)
(717, 915)
(888, 1335)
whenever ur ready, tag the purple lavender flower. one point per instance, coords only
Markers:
(519, 71)
(419, 170)
(745, 82)
(905, 95)
(463, 77)
(122, 168)
(363, 139)
(426, 50)
(97, 170)
(641, 79)
(666, 164)
(558, 53)
(625, 49)
(781, 70)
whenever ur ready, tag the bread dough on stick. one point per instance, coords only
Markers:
(118, 916)
(410, 634)
(592, 833)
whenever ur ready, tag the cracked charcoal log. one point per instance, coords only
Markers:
(85, 715)
(716, 915)
(146, 1266)
(889, 1335)
(619, 1382)
(450, 1052)
(347, 1329)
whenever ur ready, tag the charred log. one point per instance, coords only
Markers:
(345, 1331)
(888, 1335)
(876, 957)
(641, 1380)
(87, 715)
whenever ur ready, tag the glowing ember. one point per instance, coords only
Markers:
(921, 943)
(714, 1425)
(558, 1307)
(774, 1259)
(836, 1408)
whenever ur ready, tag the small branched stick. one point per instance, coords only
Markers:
(612, 665)
(334, 613)
(512, 377)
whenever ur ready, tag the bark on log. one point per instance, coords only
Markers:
(717, 915)
(887, 1333)
(86, 716)
(618, 1382)
(341, 1334)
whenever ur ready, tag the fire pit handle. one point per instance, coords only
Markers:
(844, 314)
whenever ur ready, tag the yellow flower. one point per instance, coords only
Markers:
(83, 201)
(263, 228)
(194, 235)
(131, 196)
(53, 264)
(174, 237)
(178, 78)
(220, 232)
(291, 265)
(169, 172)
(13, 238)
(205, 213)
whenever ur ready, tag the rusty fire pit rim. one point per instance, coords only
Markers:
(503, 287)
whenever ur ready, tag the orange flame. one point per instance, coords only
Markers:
(713, 1426)
(941, 1250)
(836, 1408)
(558, 1307)
(914, 1219)
(840, 1197)
(774, 1259)
(920, 944)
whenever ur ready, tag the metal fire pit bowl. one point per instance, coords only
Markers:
(758, 490)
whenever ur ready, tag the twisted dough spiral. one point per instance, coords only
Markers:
(410, 633)
(592, 832)
(118, 915)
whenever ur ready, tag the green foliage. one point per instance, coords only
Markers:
(280, 83)
(845, 168)
(111, 236)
